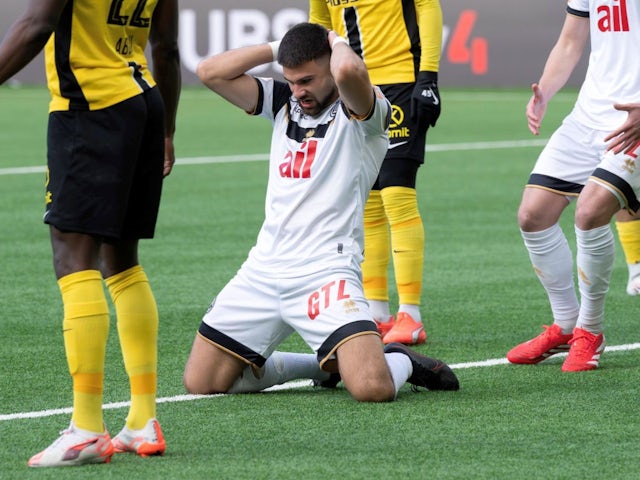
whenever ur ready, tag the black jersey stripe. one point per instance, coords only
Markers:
(411, 24)
(137, 76)
(300, 134)
(350, 19)
(577, 13)
(69, 86)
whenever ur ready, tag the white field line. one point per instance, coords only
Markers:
(443, 147)
(286, 386)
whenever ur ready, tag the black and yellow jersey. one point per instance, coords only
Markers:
(395, 38)
(95, 58)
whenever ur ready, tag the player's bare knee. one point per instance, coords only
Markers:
(529, 220)
(590, 215)
(372, 391)
(200, 386)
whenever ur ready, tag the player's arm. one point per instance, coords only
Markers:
(319, 13)
(561, 62)
(28, 35)
(429, 18)
(163, 38)
(425, 99)
(225, 74)
(351, 76)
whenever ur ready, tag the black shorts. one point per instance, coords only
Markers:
(406, 140)
(105, 168)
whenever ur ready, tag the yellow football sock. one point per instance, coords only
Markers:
(629, 234)
(376, 249)
(85, 329)
(137, 316)
(407, 241)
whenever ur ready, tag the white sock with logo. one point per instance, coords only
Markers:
(596, 254)
(552, 261)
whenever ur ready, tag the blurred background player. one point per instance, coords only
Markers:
(400, 42)
(109, 144)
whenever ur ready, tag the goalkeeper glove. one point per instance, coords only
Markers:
(425, 99)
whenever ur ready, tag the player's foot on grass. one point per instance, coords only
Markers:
(144, 442)
(428, 372)
(539, 348)
(75, 447)
(331, 382)
(633, 286)
(384, 327)
(585, 351)
(405, 330)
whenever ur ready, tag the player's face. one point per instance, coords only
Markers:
(312, 85)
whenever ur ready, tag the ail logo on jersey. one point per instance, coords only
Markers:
(323, 298)
(613, 18)
(298, 164)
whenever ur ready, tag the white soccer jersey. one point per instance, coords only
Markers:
(321, 170)
(613, 75)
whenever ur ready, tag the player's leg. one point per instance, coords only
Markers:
(85, 324)
(397, 180)
(549, 251)
(612, 186)
(364, 370)
(234, 348)
(137, 323)
(373, 374)
(552, 261)
(407, 245)
(75, 197)
(559, 174)
(595, 256)
(397, 185)
(628, 227)
(212, 369)
(141, 160)
(343, 332)
(375, 267)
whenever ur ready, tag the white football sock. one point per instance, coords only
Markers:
(400, 367)
(380, 310)
(552, 261)
(280, 367)
(413, 310)
(596, 253)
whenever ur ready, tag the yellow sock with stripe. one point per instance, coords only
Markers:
(137, 316)
(376, 249)
(85, 329)
(629, 234)
(407, 241)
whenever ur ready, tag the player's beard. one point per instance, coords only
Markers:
(318, 105)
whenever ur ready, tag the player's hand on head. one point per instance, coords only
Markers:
(425, 99)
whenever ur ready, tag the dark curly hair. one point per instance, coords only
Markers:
(303, 43)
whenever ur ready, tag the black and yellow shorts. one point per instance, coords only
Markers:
(105, 168)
